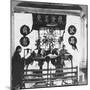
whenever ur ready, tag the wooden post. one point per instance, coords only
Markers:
(77, 74)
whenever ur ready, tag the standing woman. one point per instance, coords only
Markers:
(17, 69)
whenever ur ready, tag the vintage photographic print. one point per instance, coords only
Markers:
(48, 45)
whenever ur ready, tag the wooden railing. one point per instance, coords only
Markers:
(48, 78)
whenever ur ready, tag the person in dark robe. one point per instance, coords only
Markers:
(17, 69)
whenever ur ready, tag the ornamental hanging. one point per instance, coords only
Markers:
(72, 30)
(25, 30)
(24, 41)
(73, 41)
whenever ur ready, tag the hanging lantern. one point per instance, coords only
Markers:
(24, 41)
(73, 41)
(72, 30)
(24, 30)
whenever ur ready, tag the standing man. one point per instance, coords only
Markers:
(17, 69)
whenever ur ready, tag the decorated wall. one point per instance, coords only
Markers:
(73, 30)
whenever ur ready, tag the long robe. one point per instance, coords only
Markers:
(17, 70)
